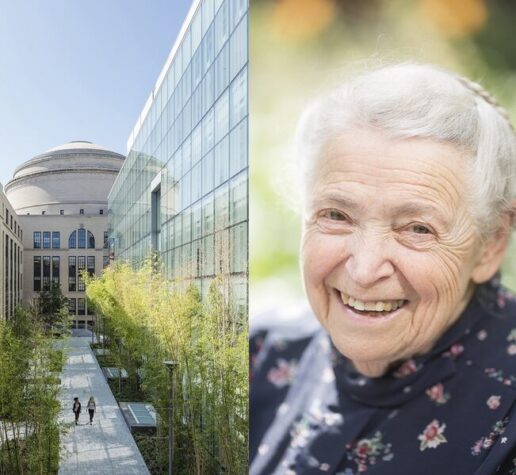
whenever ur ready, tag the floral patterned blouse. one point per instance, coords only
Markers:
(451, 411)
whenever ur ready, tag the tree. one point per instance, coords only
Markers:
(29, 408)
(160, 320)
(51, 305)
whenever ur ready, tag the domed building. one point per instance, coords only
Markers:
(60, 197)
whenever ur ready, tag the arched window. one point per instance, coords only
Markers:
(72, 240)
(77, 239)
(91, 240)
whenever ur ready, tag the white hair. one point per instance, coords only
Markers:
(423, 101)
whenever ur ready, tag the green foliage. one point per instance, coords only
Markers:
(29, 409)
(148, 320)
(51, 306)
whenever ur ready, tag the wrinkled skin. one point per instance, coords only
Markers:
(390, 219)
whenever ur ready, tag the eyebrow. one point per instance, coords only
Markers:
(403, 209)
(338, 200)
(420, 209)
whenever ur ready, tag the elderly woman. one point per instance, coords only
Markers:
(409, 185)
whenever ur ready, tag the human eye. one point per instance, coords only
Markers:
(334, 215)
(333, 220)
(417, 234)
(417, 228)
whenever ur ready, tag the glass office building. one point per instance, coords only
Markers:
(182, 190)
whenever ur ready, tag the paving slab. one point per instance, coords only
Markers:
(106, 446)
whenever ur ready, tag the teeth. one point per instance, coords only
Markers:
(380, 306)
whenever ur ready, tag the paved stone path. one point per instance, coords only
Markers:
(106, 447)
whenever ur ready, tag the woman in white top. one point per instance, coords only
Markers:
(91, 408)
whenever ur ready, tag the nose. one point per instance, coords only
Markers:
(369, 261)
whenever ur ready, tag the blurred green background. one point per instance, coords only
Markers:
(300, 48)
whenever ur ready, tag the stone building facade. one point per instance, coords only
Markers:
(60, 197)
(11, 259)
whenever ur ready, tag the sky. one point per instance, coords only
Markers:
(78, 70)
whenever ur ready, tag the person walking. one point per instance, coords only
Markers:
(76, 409)
(91, 408)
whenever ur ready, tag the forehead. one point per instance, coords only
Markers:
(365, 164)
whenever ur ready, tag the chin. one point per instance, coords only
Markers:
(364, 353)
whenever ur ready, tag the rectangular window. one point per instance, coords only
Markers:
(209, 256)
(46, 271)
(207, 215)
(238, 199)
(72, 306)
(222, 116)
(72, 240)
(221, 26)
(101, 211)
(61, 211)
(238, 257)
(105, 239)
(197, 251)
(207, 172)
(46, 239)
(37, 239)
(55, 269)
(81, 211)
(197, 221)
(221, 207)
(37, 273)
(56, 239)
(221, 79)
(82, 238)
(238, 48)
(156, 219)
(238, 148)
(105, 261)
(81, 266)
(222, 161)
(72, 273)
(81, 306)
(196, 182)
(238, 99)
(91, 266)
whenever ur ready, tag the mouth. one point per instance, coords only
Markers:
(371, 308)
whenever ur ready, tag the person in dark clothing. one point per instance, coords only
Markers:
(76, 409)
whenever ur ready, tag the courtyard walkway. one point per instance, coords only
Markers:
(106, 447)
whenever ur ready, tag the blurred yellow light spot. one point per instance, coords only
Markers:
(302, 19)
(455, 18)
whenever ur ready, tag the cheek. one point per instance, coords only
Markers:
(441, 276)
(319, 256)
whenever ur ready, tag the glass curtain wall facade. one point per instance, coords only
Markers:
(183, 189)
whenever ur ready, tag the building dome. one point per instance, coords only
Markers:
(78, 172)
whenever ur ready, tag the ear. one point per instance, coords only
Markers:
(493, 250)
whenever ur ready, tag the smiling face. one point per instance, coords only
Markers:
(390, 253)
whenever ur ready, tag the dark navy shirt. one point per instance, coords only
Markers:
(451, 411)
